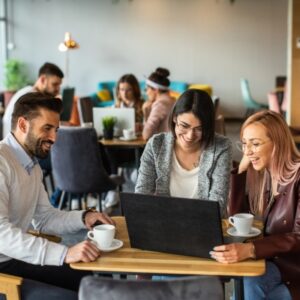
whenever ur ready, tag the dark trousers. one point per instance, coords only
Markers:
(61, 276)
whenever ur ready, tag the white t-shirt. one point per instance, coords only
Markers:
(183, 183)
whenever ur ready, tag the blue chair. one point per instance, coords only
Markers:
(250, 104)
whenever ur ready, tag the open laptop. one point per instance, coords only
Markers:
(173, 225)
(125, 118)
(67, 101)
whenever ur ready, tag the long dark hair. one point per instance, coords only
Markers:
(200, 104)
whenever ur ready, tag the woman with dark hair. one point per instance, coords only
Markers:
(129, 95)
(191, 161)
(267, 184)
(159, 103)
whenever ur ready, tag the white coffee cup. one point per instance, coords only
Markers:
(103, 235)
(128, 134)
(242, 223)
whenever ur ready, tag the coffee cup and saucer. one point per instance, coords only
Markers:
(242, 226)
(128, 135)
(103, 237)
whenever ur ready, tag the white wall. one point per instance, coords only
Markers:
(200, 41)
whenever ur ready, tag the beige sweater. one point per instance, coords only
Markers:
(157, 120)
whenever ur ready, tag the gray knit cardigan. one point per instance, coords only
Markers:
(214, 168)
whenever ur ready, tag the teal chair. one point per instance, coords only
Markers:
(250, 104)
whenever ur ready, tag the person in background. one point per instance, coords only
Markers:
(24, 201)
(49, 81)
(267, 184)
(129, 95)
(190, 161)
(159, 103)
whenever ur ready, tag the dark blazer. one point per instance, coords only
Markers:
(281, 241)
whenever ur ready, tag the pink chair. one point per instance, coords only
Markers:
(273, 102)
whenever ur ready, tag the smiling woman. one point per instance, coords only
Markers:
(266, 183)
(191, 161)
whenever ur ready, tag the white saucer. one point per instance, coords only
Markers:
(122, 138)
(253, 232)
(116, 244)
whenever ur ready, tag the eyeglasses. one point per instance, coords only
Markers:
(185, 128)
(252, 146)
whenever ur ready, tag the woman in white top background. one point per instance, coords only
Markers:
(190, 161)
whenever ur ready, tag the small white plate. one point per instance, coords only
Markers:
(253, 232)
(116, 244)
(122, 138)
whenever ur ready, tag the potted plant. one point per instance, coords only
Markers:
(108, 123)
(14, 78)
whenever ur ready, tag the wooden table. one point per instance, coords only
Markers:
(135, 261)
(137, 144)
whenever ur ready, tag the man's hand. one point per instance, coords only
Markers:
(92, 217)
(84, 251)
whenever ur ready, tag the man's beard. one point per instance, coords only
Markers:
(35, 146)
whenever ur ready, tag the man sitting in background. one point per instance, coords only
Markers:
(23, 200)
(49, 81)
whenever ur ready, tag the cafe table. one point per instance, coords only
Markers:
(127, 260)
(137, 144)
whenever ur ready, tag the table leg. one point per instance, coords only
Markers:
(239, 288)
(137, 158)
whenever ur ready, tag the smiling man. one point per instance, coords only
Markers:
(23, 200)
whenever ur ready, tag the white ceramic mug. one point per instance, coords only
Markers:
(242, 222)
(128, 134)
(103, 235)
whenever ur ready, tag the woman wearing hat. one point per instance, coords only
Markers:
(159, 104)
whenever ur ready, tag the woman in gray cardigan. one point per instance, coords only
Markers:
(191, 161)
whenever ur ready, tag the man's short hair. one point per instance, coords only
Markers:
(50, 69)
(29, 105)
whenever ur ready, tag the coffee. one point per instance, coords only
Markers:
(242, 223)
(103, 235)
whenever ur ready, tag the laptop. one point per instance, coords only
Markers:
(173, 225)
(125, 118)
(67, 101)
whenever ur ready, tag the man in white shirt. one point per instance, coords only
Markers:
(49, 81)
(23, 200)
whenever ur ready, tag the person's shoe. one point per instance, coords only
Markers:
(112, 198)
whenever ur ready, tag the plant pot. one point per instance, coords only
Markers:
(108, 134)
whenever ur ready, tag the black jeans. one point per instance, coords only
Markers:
(61, 276)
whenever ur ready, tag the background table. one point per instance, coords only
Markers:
(136, 261)
(137, 144)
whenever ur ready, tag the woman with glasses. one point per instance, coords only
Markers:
(159, 103)
(267, 184)
(190, 161)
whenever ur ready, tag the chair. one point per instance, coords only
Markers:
(204, 87)
(85, 109)
(67, 100)
(185, 288)
(273, 102)
(250, 104)
(77, 164)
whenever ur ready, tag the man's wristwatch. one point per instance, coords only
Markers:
(83, 216)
